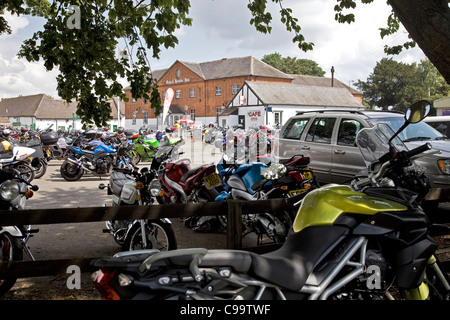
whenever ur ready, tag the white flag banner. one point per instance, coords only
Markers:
(167, 100)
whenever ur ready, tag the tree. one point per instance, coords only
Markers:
(80, 38)
(398, 85)
(292, 65)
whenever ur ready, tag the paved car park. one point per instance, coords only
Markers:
(76, 240)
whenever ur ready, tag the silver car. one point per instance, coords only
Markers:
(328, 137)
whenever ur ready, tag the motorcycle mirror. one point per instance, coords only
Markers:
(144, 170)
(101, 186)
(415, 113)
(418, 111)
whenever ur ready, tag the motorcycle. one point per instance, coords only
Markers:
(258, 181)
(130, 187)
(373, 242)
(14, 192)
(96, 158)
(145, 150)
(17, 157)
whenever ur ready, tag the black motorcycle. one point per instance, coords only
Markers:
(14, 192)
(365, 241)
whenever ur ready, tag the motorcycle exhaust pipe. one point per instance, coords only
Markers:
(76, 163)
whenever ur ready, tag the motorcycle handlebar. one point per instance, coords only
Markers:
(418, 150)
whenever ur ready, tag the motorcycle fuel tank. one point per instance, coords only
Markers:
(324, 205)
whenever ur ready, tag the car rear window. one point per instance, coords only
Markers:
(321, 130)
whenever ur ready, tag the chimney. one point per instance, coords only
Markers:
(332, 76)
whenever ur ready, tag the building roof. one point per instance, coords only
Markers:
(321, 82)
(228, 68)
(234, 67)
(40, 106)
(302, 95)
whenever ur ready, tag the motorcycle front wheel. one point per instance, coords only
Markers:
(10, 250)
(70, 172)
(159, 235)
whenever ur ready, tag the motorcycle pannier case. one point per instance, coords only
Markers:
(49, 138)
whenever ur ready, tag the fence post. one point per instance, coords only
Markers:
(234, 224)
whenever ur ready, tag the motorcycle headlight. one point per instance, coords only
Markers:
(275, 171)
(155, 187)
(444, 165)
(9, 190)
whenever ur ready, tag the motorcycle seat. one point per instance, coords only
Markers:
(6, 154)
(117, 180)
(193, 171)
(291, 265)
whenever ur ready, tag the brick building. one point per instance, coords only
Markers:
(203, 90)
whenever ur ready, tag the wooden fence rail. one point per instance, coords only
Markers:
(233, 209)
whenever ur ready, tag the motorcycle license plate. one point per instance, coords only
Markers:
(293, 193)
(211, 181)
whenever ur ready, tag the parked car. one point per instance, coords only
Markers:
(328, 137)
(440, 123)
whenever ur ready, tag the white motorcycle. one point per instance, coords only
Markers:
(17, 157)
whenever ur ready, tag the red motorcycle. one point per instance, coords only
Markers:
(180, 182)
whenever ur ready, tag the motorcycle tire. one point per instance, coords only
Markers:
(41, 169)
(10, 250)
(160, 235)
(26, 171)
(70, 172)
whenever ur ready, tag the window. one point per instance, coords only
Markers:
(295, 128)
(133, 119)
(134, 100)
(193, 114)
(348, 129)
(234, 88)
(192, 93)
(321, 130)
(178, 94)
(277, 117)
(218, 90)
(145, 117)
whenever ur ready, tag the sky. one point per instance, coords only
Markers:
(221, 29)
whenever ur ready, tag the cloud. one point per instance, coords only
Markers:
(20, 77)
(221, 29)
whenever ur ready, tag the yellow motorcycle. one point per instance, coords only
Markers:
(363, 241)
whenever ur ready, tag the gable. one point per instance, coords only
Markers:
(179, 73)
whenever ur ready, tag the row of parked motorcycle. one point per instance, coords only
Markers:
(369, 239)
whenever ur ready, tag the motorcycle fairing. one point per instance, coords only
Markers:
(324, 205)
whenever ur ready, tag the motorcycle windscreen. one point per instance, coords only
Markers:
(373, 142)
(324, 205)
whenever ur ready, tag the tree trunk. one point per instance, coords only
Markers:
(428, 23)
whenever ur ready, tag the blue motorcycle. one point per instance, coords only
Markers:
(95, 157)
(289, 179)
